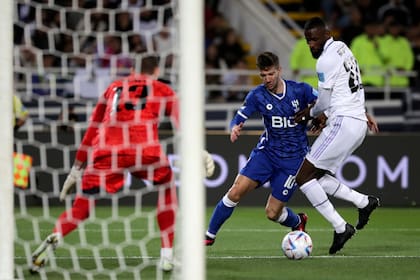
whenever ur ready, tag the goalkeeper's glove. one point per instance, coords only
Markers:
(71, 180)
(208, 164)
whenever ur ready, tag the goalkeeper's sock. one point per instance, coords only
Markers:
(337, 189)
(69, 220)
(319, 199)
(288, 218)
(167, 203)
(221, 213)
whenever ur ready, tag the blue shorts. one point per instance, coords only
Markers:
(280, 172)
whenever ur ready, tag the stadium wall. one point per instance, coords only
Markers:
(385, 165)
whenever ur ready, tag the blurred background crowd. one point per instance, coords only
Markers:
(74, 44)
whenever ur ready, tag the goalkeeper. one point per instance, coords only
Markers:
(123, 135)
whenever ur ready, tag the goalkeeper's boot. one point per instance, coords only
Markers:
(208, 241)
(166, 264)
(40, 256)
(364, 213)
(303, 220)
(341, 238)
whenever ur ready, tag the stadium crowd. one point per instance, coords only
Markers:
(91, 36)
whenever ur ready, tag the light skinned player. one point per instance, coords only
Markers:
(123, 135)
(279, 151)
(342, 99)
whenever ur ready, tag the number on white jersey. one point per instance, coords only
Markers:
(350, 64)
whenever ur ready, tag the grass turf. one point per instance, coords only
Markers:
(247, 247)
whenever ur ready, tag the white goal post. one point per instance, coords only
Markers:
(6, 136)
(192, 202)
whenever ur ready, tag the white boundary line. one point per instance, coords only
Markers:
(252, 257)
(312, 257)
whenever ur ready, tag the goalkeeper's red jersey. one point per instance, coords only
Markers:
(127, 116)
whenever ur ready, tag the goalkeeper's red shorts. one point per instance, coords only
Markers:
(108, 172)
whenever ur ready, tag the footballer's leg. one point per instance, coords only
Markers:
(166, 212)
(40, 255)
(283, 186)
(365, 204)
(66, 223)
(364, 213)
(227, 204)
(277, 211)
(314, 192)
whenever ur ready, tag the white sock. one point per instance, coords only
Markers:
(283, 215)
(211, 235)
(228, 202)
(337, 189)
(319, 199)
(166, 253)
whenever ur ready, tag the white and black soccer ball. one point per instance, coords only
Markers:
(297, 245)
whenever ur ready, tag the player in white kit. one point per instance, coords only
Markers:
(341, 99)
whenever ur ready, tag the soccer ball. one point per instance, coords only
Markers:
(297, 245)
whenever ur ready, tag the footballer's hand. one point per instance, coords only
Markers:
(318, 123)
(208, 164)
(236, 131)
(71, 180)
(372, 124)
(303, 116)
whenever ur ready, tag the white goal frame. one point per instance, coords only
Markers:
(7, 223)
(191, 90)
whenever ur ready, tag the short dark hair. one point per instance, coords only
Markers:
(267, 59)
(149, 63)
(315, 22)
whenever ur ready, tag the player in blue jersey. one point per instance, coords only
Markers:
(280, 149)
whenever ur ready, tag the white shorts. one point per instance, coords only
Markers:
(337, 141)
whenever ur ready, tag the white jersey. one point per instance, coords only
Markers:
(339, 72)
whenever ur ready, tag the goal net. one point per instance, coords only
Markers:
(65, 55)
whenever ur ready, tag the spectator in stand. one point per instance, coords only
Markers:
(148, 20)
(137, 44)
(397, 54)
(354, 27)
(113, 52)
(414, 8)
(233, 79)
(413, 36)
(163, 40)
(124, 22)
(230, 49)
(394, 11)
(213, 62)
(368, 8)
(303, 64)
(365, 48)
(215, 26)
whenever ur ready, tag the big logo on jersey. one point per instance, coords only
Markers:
(282, 122)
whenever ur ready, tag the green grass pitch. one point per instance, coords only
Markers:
(248, 247)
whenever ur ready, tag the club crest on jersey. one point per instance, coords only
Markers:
(269, 106)
(295, 104)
